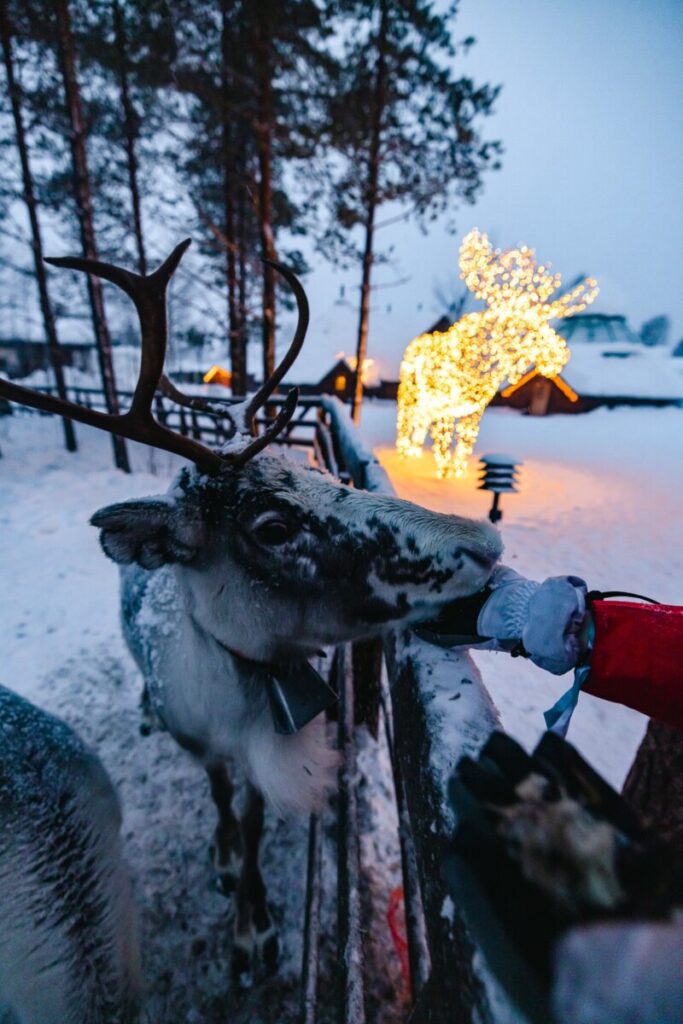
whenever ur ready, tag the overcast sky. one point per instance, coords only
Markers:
(591, 117)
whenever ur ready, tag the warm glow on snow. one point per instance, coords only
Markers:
(453, 375)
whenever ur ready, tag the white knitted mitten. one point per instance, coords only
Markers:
(545, 617)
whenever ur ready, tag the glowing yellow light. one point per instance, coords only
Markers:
(217, 375)
(450, 377)
(351, 362)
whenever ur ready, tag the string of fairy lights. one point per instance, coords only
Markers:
(448, 378)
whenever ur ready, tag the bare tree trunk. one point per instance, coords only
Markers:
(264, 132)
(83, 197)
(654, 785)
(242, 275)
(130, 136)
(53, 347)
(237, 351)
(371, 209)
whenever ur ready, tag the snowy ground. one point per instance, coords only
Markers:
(62, 649)
(600, 496)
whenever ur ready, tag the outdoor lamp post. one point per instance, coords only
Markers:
(498, 473)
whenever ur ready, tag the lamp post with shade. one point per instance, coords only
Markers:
(498, 473)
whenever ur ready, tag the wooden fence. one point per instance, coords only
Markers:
(435, 709)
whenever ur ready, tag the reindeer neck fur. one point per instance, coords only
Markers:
(205, 694)
(212, 700)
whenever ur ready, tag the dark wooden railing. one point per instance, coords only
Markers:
(212, 429)
(436, 709)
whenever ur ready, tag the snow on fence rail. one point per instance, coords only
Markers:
(435, 709)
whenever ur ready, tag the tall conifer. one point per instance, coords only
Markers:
(405, 129)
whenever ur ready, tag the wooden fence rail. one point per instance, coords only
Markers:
(438, 710)
(212, 429)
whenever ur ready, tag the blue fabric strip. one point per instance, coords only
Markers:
(558, 717)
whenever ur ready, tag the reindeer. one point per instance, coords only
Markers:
(452, 375)
(250, 565)
(68, 943)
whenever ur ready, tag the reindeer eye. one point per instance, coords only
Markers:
(274, 531)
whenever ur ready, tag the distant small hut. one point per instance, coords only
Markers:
(19, 358)
(598, 328)
(337, 381)
(540, 396)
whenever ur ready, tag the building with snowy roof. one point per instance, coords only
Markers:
(601, 374)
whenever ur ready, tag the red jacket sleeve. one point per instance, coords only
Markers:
(637, 658)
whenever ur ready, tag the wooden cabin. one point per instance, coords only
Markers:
(597, 375)
(540, 396)
(19, 358)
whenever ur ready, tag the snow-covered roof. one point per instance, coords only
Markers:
(608, 359)
(624, 370)
(314, 364)
(597, 328)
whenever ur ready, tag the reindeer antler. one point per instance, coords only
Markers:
(258, 400)
(247, 410)
(138, 424)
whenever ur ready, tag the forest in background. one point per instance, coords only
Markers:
(252, 125)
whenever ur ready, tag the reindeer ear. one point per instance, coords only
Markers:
(151, 532)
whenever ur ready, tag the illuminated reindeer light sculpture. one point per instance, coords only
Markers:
(247, 567)
(451, 376)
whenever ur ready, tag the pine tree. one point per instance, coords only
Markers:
(126, 51)
(291, 68)
(84, 207)
(228, 86)
(61, 128)
(135, 46)
(131, 128)
(217, 163)
(251, 69)
(404, 128)
(29, 196)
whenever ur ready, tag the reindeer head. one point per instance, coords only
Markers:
(277, 559)
(274, 558)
